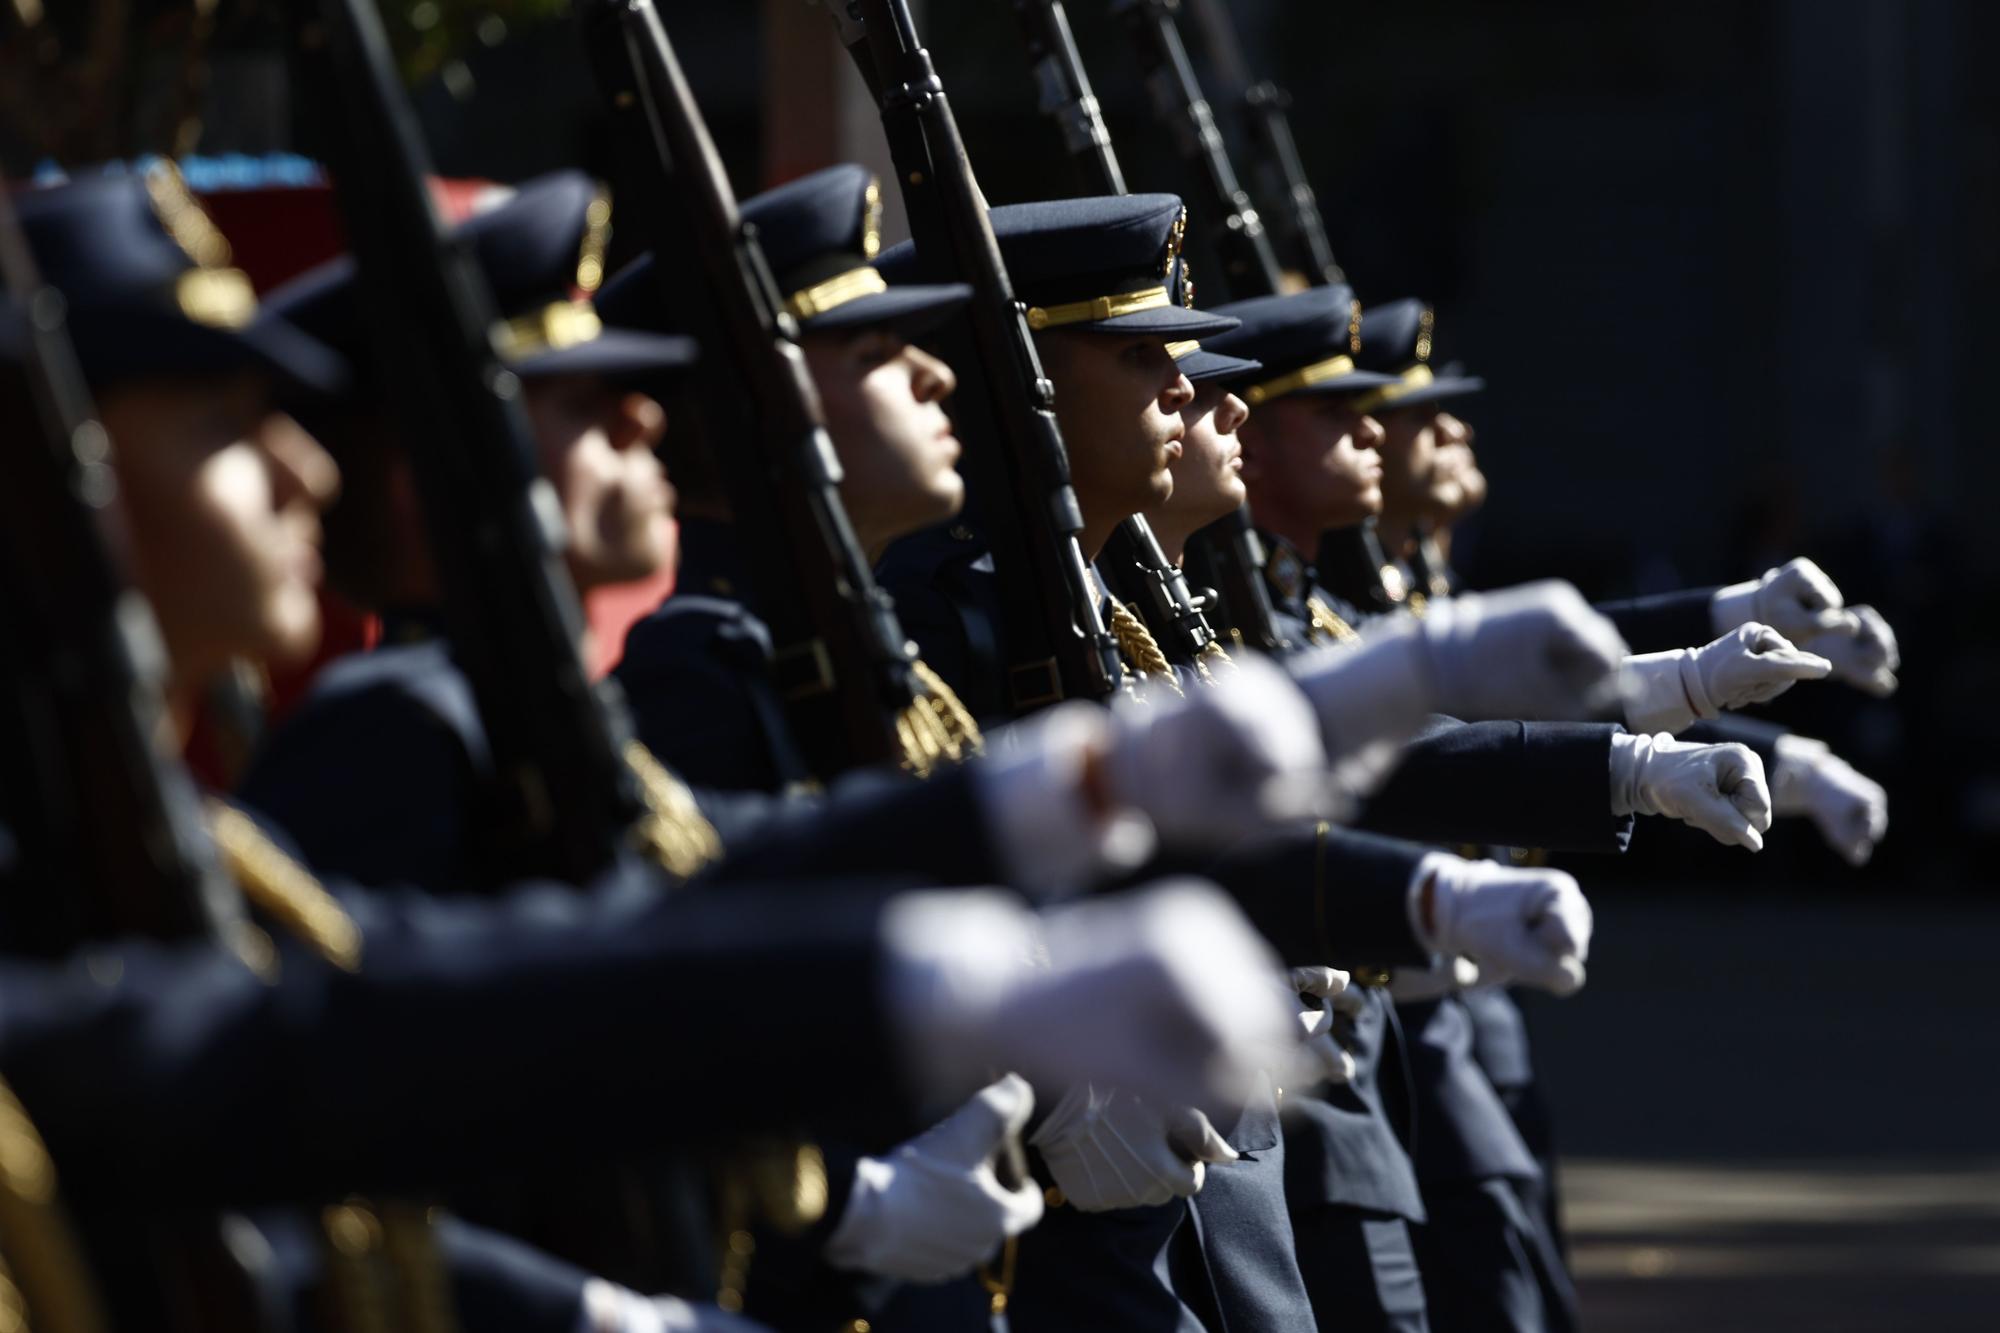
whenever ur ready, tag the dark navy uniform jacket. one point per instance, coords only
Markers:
(696, 675)
(1665, 620)
(378, 778)
(541, 1023)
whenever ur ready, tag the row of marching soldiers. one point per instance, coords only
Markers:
(1164, 1015)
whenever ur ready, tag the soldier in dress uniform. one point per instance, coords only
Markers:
(222, 493)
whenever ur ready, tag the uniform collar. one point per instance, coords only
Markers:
(711, 560)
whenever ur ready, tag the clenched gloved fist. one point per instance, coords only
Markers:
(1850, 808)
(1796, 599)
(1536, 651)
(1530, 925)
(1752, 664)
(1109, 1149)
(1164, 990)
(1863, 651)
(1720, 789)
(1533, 651)
(934, 1209)
(1324, 993)
(1227, 761)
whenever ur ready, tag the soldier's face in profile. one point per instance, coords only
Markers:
(1118, 401)
(884, 404)
(1409, 452)
(222, 494)
(1208, 480)
(596, 441)
(1314, 456)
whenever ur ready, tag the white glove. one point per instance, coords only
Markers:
(1324, 993)
(1109, 1149)
(1530, 925)
(1851, 809)
(1165, 991)
(1752, 664)
(1720, 789)
(1796, 599)
(1231, 759)
(1446, 976)
(610, 1308)
(934, 1209)
(1533, 651)
(1863, 651)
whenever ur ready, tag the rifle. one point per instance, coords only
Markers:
(1132, 562)
(1053, 638)
(89, 670)
(1225, 556)
(1247, 256)
(1249, 264)
(108, 838)
(1266, 111)
(568, 800)
(842, 660)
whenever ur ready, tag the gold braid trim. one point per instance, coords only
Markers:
(1139, 647)
(384, 1271)
(282, 889)
(674, 831)
(48, 1279)
(1213, 663)
(1326, 622)
(937, 728)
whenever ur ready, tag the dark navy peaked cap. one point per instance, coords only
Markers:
(537, 250)
(1396, 339)
(1196, 362)
(1101, 265)
(820, 234)
(1305, 340)
(150, 290)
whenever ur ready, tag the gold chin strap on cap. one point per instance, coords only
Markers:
(1416, 377)
(1177, 350)
(564, 324)
(1097, 308)
(835, 292)
(1319, 372)
(555, 326)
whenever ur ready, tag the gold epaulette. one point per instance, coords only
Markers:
(674, 831)
(44, 1283)
(282, 889)
(384, 1270)
(1325, 621)
(936, 729)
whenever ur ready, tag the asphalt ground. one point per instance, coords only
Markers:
(1782, 1111)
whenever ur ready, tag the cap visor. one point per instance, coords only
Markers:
(1202, 366)
(612, 352)
(125, 344)
(1437, 391)
(1169, 321)
(911, 310)
(1355, 381)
